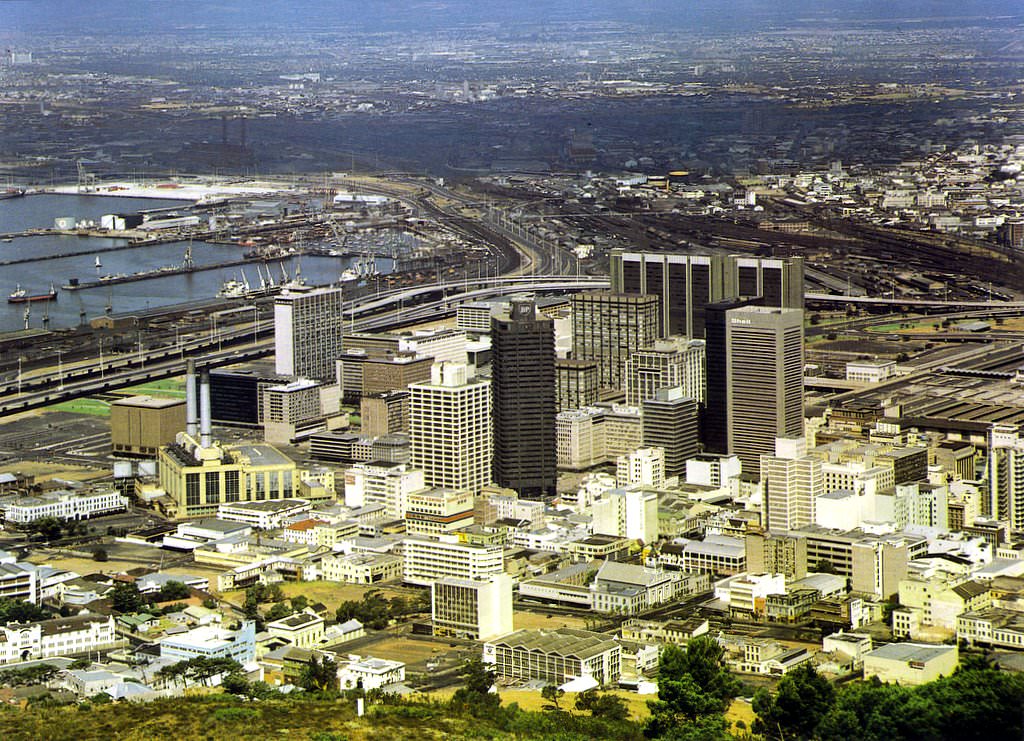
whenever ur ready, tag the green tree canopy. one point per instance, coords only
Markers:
(802, 699)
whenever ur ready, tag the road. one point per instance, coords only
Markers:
(389, 309)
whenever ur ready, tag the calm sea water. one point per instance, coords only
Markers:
(73, 307)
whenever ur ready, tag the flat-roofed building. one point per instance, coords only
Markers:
(430, 559)
(609, 327)
(213, 642)
(437, 511)
(64, 504)
(303, 629)
(910, 663)
(576, 383)
(139, 425)
(308, 328)
(266, 515)
(667, 363)
(474, 609)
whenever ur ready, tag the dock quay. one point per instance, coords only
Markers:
(165, 271)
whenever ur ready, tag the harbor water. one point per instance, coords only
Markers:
(74, 307)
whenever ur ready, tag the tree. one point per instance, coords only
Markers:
(602, 705)
(824, 566)
(694, 690)
(319, 675)
(552, 693)
(801, 700)
(278, 611)
(126, 598)
(49, 528)
(100, 554)
(475, 695)
(173, 590)
(300, 602)
(16, 611)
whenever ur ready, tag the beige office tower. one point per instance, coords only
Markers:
(609, 327)
(450, 435)
(308, 328)
(764, 380)
(792, 483)
(666, 364)
(687, 283)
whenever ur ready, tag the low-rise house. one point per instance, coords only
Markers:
(370, 673)
(303, 629)
(212, 642)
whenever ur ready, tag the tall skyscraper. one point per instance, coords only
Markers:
(523, 393)
(609, 327)
(714, 418)
(669, 421)
(575, 383)
(450, 428)
(665, 364)
(793, 482)
(308, 327)
(687, 284)
(1005, 476)
(764, 380)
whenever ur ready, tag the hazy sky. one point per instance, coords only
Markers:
(120, 16)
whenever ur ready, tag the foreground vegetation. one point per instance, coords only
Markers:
(978, 702)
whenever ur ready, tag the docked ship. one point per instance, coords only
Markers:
(21, 296)
(11, 193)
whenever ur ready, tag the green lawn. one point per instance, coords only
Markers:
(94, 407)
(172, 387)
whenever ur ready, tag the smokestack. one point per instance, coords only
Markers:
(205, 425)
(191, 403)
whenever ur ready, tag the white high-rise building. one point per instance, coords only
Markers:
(450, 435)
(475, 609)
(627, 513)
(388, 484)
(666, 364)
(429, 559)
(643, 467)
(793, 482)
(1006, 476)
(308, 328)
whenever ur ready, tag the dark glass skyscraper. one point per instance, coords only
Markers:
(524, 407)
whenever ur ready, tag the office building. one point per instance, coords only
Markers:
(641, 467)
(139, 425)
(473, 609)
(609, 327)
(793, 482)
(627, 513)
(687, 284)
(523, 400)
(290, 411)
(64, 504)
(764, 380)
(367, 372)
(670, 422)
(430, 559)
(450, 428)
(1006, 476)
(308, 327)
(235, 391)
(667, 363)
(384, 413)
(714, 428)
(576, 383)
(438, 511)
(382, 484)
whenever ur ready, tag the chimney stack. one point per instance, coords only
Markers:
(191, 403)
(205, 425)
